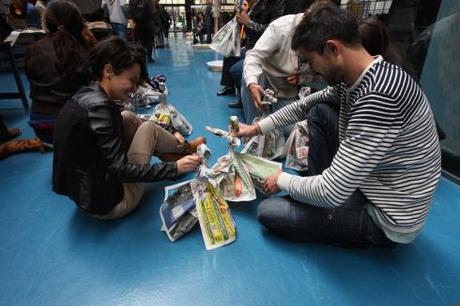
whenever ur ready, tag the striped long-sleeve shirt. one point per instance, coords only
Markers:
(388, 149)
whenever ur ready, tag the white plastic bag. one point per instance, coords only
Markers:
(297, 147)
(227, 40)
(165, 114)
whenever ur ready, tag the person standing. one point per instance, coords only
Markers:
(142, 12)
(117, 11)
(208, 21)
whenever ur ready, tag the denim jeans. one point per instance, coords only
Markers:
(347, 225)
(119, 30)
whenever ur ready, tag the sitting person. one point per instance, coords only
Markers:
(260, 14)
(272, 64)
(9, 145)
(57, 65)
(378, 187)
(102, 156)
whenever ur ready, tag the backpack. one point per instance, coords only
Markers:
(138, 9)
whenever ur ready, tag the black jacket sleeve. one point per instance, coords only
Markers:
(101, 121)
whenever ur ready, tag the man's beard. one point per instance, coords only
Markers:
(333, 77)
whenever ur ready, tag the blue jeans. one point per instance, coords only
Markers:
(348, 225)
(119, 30)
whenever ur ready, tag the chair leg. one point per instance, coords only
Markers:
(17, 77)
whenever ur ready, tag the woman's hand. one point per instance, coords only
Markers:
(179, 137)
(188, 163)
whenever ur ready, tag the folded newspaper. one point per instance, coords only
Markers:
(217, 225)
(178, 211)
(259, 169)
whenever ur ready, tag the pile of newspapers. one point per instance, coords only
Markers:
(235, 177)
(198, 201)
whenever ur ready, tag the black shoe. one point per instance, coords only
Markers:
(236, 104)
(226, 91)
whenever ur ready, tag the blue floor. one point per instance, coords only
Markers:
(51, 254)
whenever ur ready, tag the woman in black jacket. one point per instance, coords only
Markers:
(102, 156)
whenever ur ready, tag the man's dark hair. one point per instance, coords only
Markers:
(116, 52)
(323, 23)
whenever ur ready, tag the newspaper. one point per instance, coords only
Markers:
(229, 175)
(217, 225)
(259, 169)
(297, 147)
(178, 211)
(227, 40)
(165, 114)
(270, 145)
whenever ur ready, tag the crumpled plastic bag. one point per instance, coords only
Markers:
(227, 40)
(270, 145)
(167, 116)
(297, 147)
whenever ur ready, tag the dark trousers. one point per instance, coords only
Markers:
(348, 225)
(145, 36)
(232, 71)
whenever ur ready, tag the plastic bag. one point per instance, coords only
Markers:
(227, 40)
(166, 115)
(297, 147)
(270, 145)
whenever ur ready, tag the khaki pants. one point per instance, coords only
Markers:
(143, 139)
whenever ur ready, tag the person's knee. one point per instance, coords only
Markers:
(271, 211)
(128, 115)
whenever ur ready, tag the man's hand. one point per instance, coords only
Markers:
(242, 18)
(270, 184)
(188, 163)
(293, 79)
(256, 91)
(179, 137)
(247, 130)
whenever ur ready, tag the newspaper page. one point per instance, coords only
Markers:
(259, 169)
(217, 225)
(178, 212)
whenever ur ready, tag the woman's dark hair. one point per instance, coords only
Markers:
(325, 22)
(376, 40)
(65, 24)
(117, 53)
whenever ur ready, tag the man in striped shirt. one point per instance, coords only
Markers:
(378, 186)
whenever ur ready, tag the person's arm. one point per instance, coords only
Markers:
(265, 47)
(298, 111)
(375, 122)
(114, 159)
